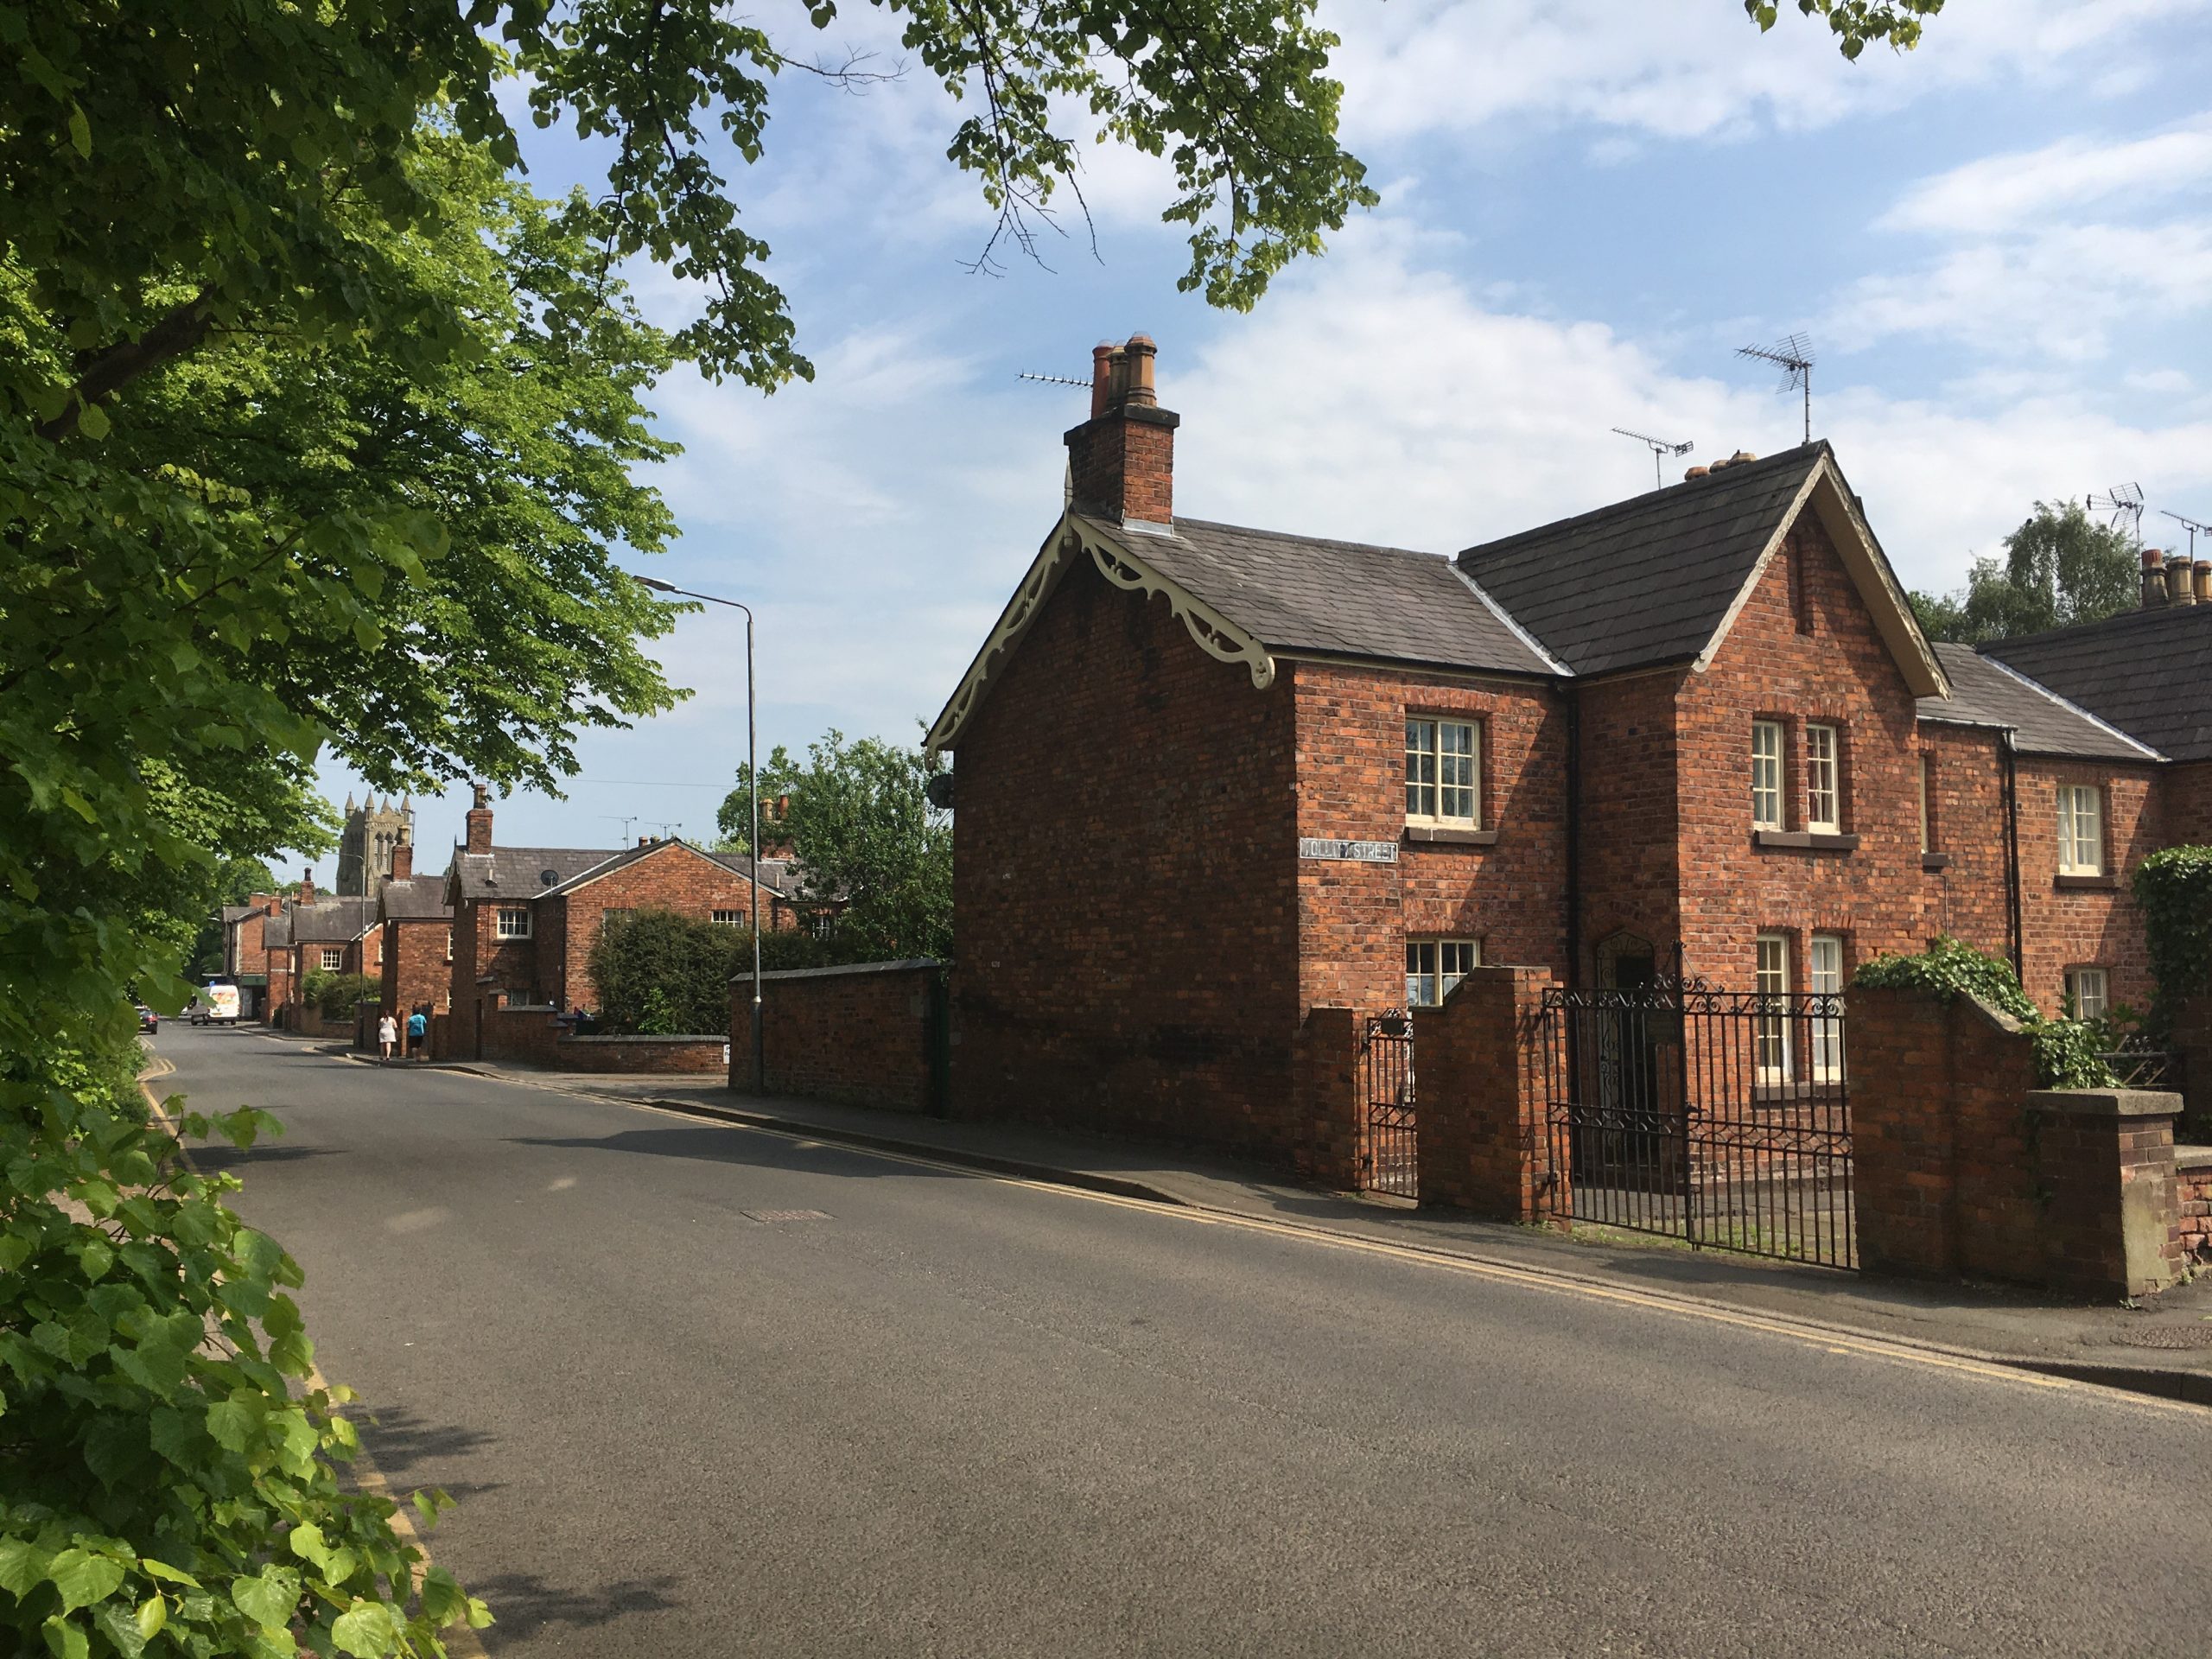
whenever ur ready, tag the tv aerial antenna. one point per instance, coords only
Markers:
(2122, 501)
(617, 818)
(2191, 525)
(1794, 357)
(1659, 447)
(667, 831)
(1051, 380)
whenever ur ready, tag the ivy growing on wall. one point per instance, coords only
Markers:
(2174, 889)
(2067, 1050)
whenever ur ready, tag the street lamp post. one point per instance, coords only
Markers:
(753, 790)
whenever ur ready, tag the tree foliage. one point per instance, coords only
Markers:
(1857, 22)
(233, 882)
(868, 841)
(660, 973)
(2060, 566)
(2174, 889)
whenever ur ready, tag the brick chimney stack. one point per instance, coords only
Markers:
(306, 887)
(479, 822)
(403, 860)
(2154, 578)
(1122, 460)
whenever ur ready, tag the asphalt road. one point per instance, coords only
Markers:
(962, 1415)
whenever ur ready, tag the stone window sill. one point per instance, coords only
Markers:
(2087, 883)
(1805, 841)
(1935, 861)
(1440, 835)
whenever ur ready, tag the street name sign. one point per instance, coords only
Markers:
(1348, 852)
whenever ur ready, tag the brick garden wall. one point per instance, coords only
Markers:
(860, 1034)
(523, 1034)
(1354, 918)
(1124, 876)
(658, 1056)
(2193, 1189)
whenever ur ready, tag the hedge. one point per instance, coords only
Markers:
(2067, 1050)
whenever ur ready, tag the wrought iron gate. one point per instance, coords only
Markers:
(1720, 1117)
(1389, 1159)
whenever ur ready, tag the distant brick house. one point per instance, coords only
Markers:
(1210, 777)
(417, 955)
(525, 918)
(314, 935)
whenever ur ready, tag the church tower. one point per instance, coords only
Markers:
(365, 844)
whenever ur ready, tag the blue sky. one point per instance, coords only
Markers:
(2000, 244)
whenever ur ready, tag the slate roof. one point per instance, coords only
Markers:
(517, 873)
(2148, 672)
(1648, 579)
(1986, 693)
(1312, 594)
(235, 913)
(331, 921)
(276, 931)
(422, 899)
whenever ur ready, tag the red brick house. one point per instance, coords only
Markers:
(523, 918)
(417, 966)
(318, 935)
(1210, 777)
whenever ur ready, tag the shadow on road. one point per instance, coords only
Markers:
(524, 1604)
(210, 1159)
(398, 1440)
(720, 1145)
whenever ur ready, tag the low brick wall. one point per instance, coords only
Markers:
(1963, 1166)
(1483, 1141)
(523, 1034)
(868, 1034)
(667, 1055)
(2193, 1196)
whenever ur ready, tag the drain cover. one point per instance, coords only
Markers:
(2184, 1336)
(786, 1214)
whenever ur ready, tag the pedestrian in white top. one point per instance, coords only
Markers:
(387, 1034)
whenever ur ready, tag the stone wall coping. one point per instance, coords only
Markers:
(905, 964)
(2193, 1157)
(526, 1007)
(634, 1037)
(2106, 1102)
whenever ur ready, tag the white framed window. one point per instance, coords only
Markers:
(1443, 762)
(333, 958)
(612, 914)
(1823, 790)
(1766, 774)
(2081, 829)
(513, 922)
(1770, 1025)
(726, 917)
(1824, 977)
(448, 944)
(1434, 966)
(2086, 993)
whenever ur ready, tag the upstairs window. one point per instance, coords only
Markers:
(1766, 774)
(2081, 829)
(1434, 966)
(333, 958)
(1823, 794)
(513, 922)
(612, 914)
(2085, 992)
(726, 917)
(1442, 763)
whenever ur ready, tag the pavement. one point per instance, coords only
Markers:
(2160, 1345)
(706, 1387)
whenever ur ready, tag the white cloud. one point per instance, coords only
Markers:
(1684, 69)
(2002, 193)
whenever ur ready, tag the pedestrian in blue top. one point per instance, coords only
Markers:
(416, 1025)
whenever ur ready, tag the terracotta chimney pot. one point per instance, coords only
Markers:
(1139, 352)
(1101, 372)
(2205, 581)
(2154, 578)
(1695, 471)
(2181, 581)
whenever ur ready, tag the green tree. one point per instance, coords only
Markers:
(869, 843)
(2060, 566)
(658, 972)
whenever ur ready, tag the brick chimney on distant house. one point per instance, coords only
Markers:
(1122, 460)
(402, 859)
(306, 887)
(480, 822)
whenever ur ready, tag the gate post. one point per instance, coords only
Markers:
(1483, 1139)
(1324, 1095)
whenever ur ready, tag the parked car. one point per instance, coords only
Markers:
(148, 1020)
